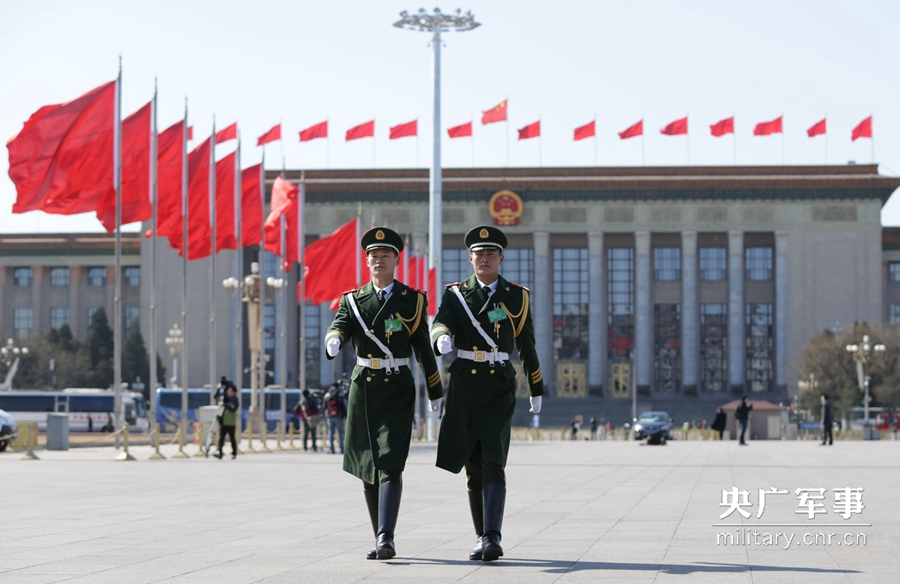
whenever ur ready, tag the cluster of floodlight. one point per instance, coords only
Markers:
(425, 21)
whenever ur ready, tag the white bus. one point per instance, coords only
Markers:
(89, 409)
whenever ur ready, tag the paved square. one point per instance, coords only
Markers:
(576, 512)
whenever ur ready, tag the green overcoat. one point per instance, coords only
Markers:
(380, 406)
(481, 398)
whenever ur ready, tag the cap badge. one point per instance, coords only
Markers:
(379, 235)
(483, 234)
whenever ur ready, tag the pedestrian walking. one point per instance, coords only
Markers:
(593, 421)
(827, 421)
(387, 321)
(228, 419)
(576, 426)
(742, 413)
(335, 414)
(720, 422)
(309, 416)
(486, 317)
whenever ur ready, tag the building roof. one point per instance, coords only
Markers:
(829, 182)
(67, 244)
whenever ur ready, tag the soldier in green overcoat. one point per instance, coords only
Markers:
(387, 322)
(485, 316)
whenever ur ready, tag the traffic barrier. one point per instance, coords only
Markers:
(31, 431)
(264, 438)
(291, 437)
(250, 449)
(124, 455)
(279, 438)
(199, 437)
(157, 455)
(180, 435)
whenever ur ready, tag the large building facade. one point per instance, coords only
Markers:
(671, 282)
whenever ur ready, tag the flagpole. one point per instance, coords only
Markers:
(595, 139)
(327, 145)
(155, 204)
(687, 138)
(472, 122)
(872, 127)
(643, 155)
(281, 144)
(734, 137)
(506, 121)
(117, 303)
(826, 138)
(184, 267)
(282, 348)
(540, 145)
(782, 138)
(373, 143)
(236, 301)
(301, 240)
(260, 402)
(417, 141)
(212, 264)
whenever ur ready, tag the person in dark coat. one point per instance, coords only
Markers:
(720, 422)
(742, 413)
(475, 429)
(382, 395)
(827, 421)
(228, 419)
(309, 415)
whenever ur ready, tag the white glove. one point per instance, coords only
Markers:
(333, 346)
(436, 404)
(444, 345)
(536, 404)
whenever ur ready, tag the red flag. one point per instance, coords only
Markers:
(767, 128)
(420, 274)
(412, 276)
(136, 204)
(226, 134)
(530, 131)
(495, 114)
(676, 128)
(635, 130)
(273, 234)
(460, 131)
(319, 130)
(284, 193)
(199, 232)
(270, 136)
(586, 131)
(251, 205)
(816, 129)
(432, 292)
(225, 238)
(366, 130)
(190, 133)
(329, 264)
(170, 154)
(863, 130)
(61, 161)
(722, 127)
(404, 130)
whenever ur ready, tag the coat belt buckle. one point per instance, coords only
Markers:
(479, 356)
(375, 364)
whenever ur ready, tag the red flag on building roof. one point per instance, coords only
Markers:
(676, 128)
(61, 161)
(635, 130)
(366, 130)
(225, 234)
(532, 130)
(863, 130)
(329, 264)
(251, 205)
(768, 128)
(722, 127)
(404, 130)
(270, 136)
(588, 130)
(816, 129)
(319, 130)
(460, 131)
(495, 114)
(226, 134)
(136, 205)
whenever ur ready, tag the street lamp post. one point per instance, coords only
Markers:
(861, 354)
(278, 284)
(175, 343)
(10, 355)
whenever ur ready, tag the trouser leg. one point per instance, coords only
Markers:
(230, 430)
(490, 479)
(222, 430)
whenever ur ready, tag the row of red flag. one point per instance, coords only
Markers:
(726, 126)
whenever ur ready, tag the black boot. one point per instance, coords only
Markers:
(372, 505)
(388, 510)
(476, 506)
(494, 501)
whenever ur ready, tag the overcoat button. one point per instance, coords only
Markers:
(368, 379)
(386, 379)
(474, 371)
(492, 371)
(370, 355)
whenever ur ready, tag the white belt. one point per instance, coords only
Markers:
(386, 364)
(482, 356)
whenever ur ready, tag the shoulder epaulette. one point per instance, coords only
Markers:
(519, 286)
(452, 284)
(422, 292)
(349, 291)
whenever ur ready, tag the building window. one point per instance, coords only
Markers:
(713, 347)
(667, 357)
(713, 264)
(132, 317)
(619, 302)
(667, 264)
(313, 345)
(518, 266)
(133, 276)
(22, 276)
(59, 277)
(455, 266)
(570, 304)
(23, 322)
(758, 263)
(894, 271)
(96, 277)
(895, 314)
(58, 317)
(760, 346)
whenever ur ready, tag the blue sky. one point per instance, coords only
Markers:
(563, 63)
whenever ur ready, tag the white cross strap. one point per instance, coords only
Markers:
(494, 355)
(390, 356)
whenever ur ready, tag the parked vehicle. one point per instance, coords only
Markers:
(88, 409)
(9, 430)
(655, 427)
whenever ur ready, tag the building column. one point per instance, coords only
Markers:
(781, 310)
(643, 311)
(542, 308)
(689, 321)
(596, 314)
(736, 309)
(41, 321)
(76, 310)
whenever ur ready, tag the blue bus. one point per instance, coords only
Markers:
(168, 406)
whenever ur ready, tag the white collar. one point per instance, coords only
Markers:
(387, 289)
(492, 285)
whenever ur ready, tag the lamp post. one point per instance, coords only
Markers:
(278, 284)
(175, 343)
(861, 354)
(10, 355)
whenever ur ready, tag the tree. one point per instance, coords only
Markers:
(135, 361)
(100, 346)
(160, 372)
(70, 362)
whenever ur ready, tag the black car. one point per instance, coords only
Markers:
(8, 430)
(654, 426)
